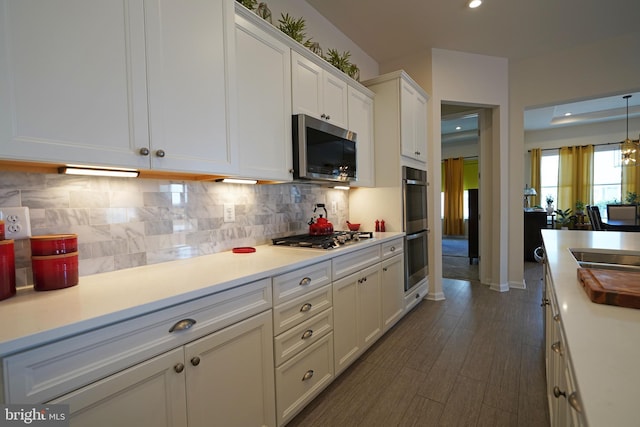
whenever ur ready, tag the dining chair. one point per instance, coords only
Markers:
(595, 218)
(622, 211)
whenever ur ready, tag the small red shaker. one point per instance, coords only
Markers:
(377, 225)
(382, 225)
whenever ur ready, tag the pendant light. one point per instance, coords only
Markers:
(628, 148)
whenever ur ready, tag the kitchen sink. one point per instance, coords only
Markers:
(610, 259)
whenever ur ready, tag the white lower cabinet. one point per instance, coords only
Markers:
(357, 315)
(392, 291)
(224, 379)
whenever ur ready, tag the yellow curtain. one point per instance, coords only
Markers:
(630, 181)
(536, 157)
(453, 196)
(575, 176)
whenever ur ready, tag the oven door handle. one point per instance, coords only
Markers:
(417, 235)
(414, 182)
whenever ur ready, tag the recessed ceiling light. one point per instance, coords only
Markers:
(567, 114)
(474, 3)
(458, 127)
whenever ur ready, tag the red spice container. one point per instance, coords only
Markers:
(54, 244)
(55, 271)
(7, 269)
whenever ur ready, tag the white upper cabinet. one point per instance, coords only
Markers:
(264, 101)
(413, 122)
(361, 122)
(131, 83)
(317, 92)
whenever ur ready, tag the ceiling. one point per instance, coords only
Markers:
(513, 29)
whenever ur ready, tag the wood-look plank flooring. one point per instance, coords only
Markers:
(475, 359)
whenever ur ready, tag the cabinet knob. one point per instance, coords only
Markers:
(556, 347)
(291, 171)
(195, 360)
(307, 375)
(182, 325)
(328, 117)
(160, 153)
(556, 317)
(545, 301)
(307, 334)
(305, 281)
(179, 367)
(557, 392)
(305, 307)
(417, 153)
(385, 269)
(144, 151)
(417, 296)
(392, 249)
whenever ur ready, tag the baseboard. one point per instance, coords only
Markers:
(518, 285)
(499, 287)
(435, 296)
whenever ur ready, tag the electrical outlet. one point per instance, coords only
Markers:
(334, 207)
(229, 212)
(17, 224)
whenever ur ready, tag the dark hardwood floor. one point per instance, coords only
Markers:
(475, 359)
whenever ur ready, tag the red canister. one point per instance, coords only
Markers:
(55, 271)
(7, 269)
(54, 244)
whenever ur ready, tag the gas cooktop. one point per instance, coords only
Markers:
(335, 240)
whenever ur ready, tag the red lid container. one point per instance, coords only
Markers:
(54, 244)
(7, 269)
(55, 271)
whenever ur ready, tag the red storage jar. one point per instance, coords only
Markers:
(7, 269)
(55, 271)
(54, 244)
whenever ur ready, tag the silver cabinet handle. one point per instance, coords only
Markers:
(307, 375)
(182, 325)
(305, 281)
(557, 392)
(179, 367)
(160, 153)
(144, 151)
(574, 402)
(195, 360)
(305, 307)
(307, 334)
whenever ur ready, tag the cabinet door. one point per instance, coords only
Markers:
(230, 375)
(407, 119)
(151, 393)
(190, 51)
(421, 127)
(73, 82)
(361, 122)
(306, 86)
(392, 291)
(357, 318)
(334, 96)
(264, 103)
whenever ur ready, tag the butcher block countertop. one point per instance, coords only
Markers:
(603, 340)
(33, 318)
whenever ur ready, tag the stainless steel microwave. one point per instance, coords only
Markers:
(322, 151)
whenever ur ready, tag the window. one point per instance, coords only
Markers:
(607, 176)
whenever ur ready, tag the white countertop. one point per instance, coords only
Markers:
(603, 341)
(33, 318)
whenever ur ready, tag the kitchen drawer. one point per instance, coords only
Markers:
(306, 306)
(48, 371)
(394, 247)
(303, 377)
(351, 263)
(302, 336)
(295, 283)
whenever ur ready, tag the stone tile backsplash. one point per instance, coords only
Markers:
(123, 223)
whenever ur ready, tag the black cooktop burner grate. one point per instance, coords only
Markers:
(334, 240)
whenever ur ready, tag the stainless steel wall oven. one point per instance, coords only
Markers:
(414, 193)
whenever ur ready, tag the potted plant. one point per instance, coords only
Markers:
(563, 218)
(579, 207)
(549, 204)
(632, 198)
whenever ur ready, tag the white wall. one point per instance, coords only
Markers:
(609, 67)
(325, 33)
(482, 81)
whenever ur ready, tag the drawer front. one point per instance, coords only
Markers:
(294, 312)
(355, 261)
(394, 247)
(295, 283)
(303, 377)
(302, 336)
(45, 372)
